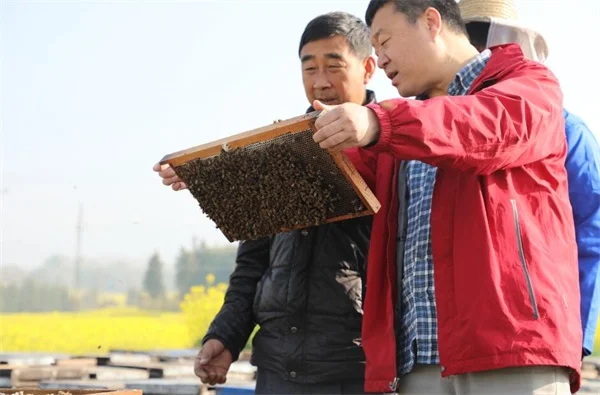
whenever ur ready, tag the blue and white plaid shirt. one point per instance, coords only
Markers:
(417, 341)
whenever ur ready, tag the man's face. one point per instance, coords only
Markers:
(332, 73)
(408, 53)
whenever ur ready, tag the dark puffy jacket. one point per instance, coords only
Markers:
(305, 290)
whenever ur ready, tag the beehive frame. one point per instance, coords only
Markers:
(264, 134)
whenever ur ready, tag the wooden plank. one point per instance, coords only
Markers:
(82, 384)
(160, 370)
(174, 355)
(116, 373)
(30, 358)
(119, 358)
(37, 373)
(589, 387)
(188, 386)
(77, 362)
(36, 391)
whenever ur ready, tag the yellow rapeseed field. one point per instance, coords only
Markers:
(98, 331)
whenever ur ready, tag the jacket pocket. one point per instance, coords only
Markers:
(532, 300)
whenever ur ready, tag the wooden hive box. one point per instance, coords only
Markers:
(35, 391)
(272, 179)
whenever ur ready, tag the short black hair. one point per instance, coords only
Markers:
(339, 23)
(478, 33)
(448, 9)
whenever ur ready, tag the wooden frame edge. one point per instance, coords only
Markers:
(291, 125)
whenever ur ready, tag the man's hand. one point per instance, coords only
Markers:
(169, 177)
(345, 126)
(213, 362)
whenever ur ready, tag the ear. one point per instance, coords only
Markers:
(370, 65)
(433, 21)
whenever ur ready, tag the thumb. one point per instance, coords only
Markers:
(319, 106)
(206, 354)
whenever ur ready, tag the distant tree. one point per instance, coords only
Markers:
(31, 296)
(153, 279)
(133, 297)
(185, 271)
(219, 262)
(9, 298)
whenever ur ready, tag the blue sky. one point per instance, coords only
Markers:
(95, 92)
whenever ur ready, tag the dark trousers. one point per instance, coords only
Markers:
(269, 383)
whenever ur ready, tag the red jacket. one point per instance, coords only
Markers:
(503, 241)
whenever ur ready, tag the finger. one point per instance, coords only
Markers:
(343, 146)
(325, 119)
(167, 172)
(178, 186)
(170, 181)
(201, 373)
(212, 377)
(157, 167)
(320, 106)
(335, 140)
(205, 355)
(335, 127)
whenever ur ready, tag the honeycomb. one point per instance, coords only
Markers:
(264, 188)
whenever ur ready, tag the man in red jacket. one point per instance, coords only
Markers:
(472, 282)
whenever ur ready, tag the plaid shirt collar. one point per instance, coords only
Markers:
(466, 76)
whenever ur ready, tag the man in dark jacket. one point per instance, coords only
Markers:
(303, 288)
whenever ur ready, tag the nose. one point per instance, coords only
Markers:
(382, 61)
(321, 81)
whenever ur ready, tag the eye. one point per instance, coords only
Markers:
(310, 69)
(384, 42)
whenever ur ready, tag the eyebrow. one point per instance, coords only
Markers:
(331, 55)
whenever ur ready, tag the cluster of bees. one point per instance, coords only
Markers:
(259, 190)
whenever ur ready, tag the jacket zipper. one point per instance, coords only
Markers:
(522, 258)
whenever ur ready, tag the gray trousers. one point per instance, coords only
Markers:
(530, 380)
(271, 383)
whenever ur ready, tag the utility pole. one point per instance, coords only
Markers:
(79, 234)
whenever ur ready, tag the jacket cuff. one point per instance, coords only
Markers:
(235, 352)
(385, 129)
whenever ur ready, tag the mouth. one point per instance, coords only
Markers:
(328, 101)
(391, 75)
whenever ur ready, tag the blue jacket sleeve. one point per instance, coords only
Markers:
(583, 168)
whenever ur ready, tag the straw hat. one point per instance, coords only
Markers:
(505, 26)
(483, 10)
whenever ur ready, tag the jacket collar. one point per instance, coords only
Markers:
(370, 99)
(503, 60)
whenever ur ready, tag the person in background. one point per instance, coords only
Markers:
(496, 22)
(303, 288)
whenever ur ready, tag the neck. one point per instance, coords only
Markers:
(363, 99)
(462, 52)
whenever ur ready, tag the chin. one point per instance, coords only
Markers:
(404, 92)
